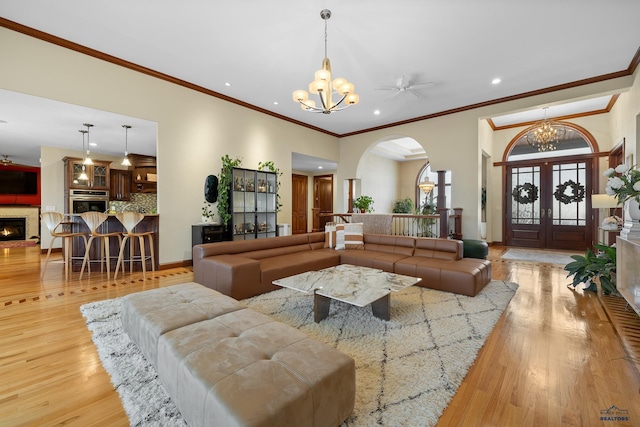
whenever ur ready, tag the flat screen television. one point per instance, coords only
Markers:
(18, 182)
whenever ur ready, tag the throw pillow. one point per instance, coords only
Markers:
(330, 236)
(349, 236)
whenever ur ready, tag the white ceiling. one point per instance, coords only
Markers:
(266, 50)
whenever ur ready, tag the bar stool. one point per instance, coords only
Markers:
(129, 220)
(53, 220)
(94, 220)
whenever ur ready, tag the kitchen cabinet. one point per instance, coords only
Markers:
(98, 174)
(252, 204)
(120, 188)
(144, 175)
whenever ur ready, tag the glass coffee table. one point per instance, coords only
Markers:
(359, 286)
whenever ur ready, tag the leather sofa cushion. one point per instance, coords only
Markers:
(276, 251)
(402, 245)
(428, 269)
(445, 249)
(282, 266)
(380, 260)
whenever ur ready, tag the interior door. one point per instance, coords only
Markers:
(299, 204)
(548, 204)
(323, 196)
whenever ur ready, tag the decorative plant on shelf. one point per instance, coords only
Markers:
(224, 185)
(602, 266)
(271, 167)
(363, 204)
(207, 213)
(403, 206)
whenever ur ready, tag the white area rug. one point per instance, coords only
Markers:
(407, 369)
(538, 255)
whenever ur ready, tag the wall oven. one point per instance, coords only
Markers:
(88, 201)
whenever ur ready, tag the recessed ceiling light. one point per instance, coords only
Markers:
(377, 112)
(275, 102)
(319, 167)
(227, 84)
(496, 81)
(93, 144)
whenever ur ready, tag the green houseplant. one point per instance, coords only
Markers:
(363, 204)
(224, 185)
(601, 265)
(403, 206)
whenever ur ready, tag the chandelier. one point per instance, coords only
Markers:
(427, 186)
(324, 86)
(545, 135)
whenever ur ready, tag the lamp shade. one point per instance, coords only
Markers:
(603, 201)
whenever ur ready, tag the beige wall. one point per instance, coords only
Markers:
(195, 130)
(379, 180)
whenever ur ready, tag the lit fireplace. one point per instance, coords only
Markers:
(12, 229)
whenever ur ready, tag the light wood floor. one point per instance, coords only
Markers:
(552, 360)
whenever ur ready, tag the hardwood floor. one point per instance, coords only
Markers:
(554, 358)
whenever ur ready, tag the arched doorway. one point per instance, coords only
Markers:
(547, 194)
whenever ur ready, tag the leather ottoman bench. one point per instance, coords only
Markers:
(226, 365)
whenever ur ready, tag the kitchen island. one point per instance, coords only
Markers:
(149, 223)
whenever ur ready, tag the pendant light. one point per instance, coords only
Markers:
(83, 176)
(87, 159)
(125, 161)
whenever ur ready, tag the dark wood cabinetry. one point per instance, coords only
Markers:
(144, 175)
(120, 188)
(206, 233)
(97, 174)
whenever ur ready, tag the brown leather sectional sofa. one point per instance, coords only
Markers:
(242, 269)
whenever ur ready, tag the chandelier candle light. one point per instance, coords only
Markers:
(546, 134)
(324, 86)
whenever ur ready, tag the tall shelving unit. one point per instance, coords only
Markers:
(253, 204)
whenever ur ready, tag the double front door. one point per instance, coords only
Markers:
(548, 204)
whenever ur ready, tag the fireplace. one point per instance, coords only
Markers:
(12, 229)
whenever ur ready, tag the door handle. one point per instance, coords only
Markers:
(541, 213)
(549, 212)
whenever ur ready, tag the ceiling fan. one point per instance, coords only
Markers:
(405, 85)
(6, 161)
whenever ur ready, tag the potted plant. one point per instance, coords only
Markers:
(224, 185)
(403, 206)
(363, 204)
(207, 213)
(602, 266)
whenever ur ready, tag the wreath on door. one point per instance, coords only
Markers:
(575, 195)
(525, 193)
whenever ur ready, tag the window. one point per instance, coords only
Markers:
(423, 199)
